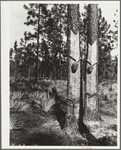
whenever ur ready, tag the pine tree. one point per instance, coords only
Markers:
(45, 59)
(36, 17)
(105, 41)
(16, 55)
(73, 85)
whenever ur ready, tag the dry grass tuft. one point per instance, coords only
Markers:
(13, 121)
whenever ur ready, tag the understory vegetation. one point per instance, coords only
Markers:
(37, 115)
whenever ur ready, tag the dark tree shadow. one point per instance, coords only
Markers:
(92, 140)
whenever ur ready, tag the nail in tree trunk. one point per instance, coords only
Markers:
(92, 70)
(73, 84)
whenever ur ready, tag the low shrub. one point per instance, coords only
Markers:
(15, 101)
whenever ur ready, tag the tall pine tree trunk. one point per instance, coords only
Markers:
(16, 70)
(37, 44)
(60, 67)
(92, 70)
(73, 86)
(16, 53)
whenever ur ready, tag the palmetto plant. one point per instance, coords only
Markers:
(43, 99)
(36, 97)
(16, 95)
(47, 101)
(13, 124)
(15, 101)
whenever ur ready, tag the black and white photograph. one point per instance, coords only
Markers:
(60, 76)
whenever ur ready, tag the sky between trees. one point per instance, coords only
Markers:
(16, 16)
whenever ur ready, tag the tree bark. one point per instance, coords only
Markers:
(92, 70)
(73, 84)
